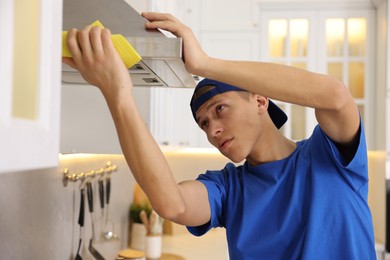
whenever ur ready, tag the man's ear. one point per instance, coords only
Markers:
(262, 103)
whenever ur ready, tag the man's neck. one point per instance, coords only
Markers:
(272, 147)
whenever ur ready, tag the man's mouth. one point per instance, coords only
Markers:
(223, 145)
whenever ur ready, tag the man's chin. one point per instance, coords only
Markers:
(235, 159)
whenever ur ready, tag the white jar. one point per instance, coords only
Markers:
(153, 246)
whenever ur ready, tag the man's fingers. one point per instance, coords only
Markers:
(152, 16)
(69, 61)
(106, 41)
(72, 43)
(84, 40)
(163, 21)
(96, 42)
(88, 46)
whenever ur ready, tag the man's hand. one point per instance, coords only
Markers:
(195, 58)
(96, 58)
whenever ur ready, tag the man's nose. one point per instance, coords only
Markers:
(215, 128)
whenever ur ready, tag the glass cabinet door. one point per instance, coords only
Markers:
(288, 43)
(346, 55)
(337, 43)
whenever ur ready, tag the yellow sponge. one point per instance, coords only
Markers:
(127, 53)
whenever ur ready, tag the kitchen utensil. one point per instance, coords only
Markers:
(101, 194)
(144, 219)
(155, 223)
(109, 228)
(152, 221)
(94, 252)
(78, 256)
(81, 223)
(91, 249)
(100, 222)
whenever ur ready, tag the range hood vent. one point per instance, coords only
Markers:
(161, 65)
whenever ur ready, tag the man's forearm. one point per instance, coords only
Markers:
(145, 158)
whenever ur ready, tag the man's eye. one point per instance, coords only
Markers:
(203, 124)
(219, 108)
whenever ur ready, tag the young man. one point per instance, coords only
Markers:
(304, 200)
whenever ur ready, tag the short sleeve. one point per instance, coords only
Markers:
(215, 182)
(356, 171)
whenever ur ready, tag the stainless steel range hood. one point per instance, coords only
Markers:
(161, 64)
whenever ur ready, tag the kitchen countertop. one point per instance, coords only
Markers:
(210, 246)
(213, 246)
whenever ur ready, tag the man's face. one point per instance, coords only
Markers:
(231, 122)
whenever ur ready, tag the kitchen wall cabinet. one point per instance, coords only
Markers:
(232, 44)
(286, 39)
(381, 74)
(223, 14)
(30, 32)
(339, 43)
(385, 67)
(172, 122)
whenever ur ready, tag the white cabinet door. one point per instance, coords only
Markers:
(227, 14)
(232, 44)
(387, 127)
(388, 132)
(30, 40)
(172, 122)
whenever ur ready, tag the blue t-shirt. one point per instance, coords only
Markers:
(310, 205)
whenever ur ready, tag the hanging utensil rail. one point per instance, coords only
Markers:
(73, 177)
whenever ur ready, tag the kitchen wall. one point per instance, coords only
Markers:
(39, 214)
(38, 217)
